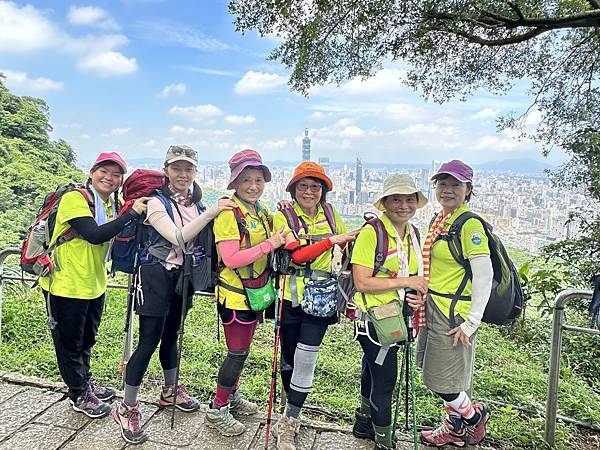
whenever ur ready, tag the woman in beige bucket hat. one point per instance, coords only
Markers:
(400, 272)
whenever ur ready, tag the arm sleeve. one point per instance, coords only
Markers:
(310, 252)
(162, 223)
(94, 234)
(483, 273)
(234, 258)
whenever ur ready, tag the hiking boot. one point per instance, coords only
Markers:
(383, 447)
(222, 421)
(285, 430)
(104, 393)
(185, 402)
(88, 404)
(240, 405)
(363, 426)
(476, 432)
(452, 431)
(129, 419)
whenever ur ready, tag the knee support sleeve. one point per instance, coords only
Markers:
(305, 361)
(232, 367)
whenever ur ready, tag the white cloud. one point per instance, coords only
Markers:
(149, 144)
(319, 116)
(167, 32)
(403, 111)
(258, 83)
(91, 16)
(274, 144)
(119, 131)
(495, 143)
(240, 120)
(24, 29)
(21, 80)
(196, 113)
(486, 113)
(84, 136)
(385, 81)
(207, 71)
(352, 132)
(108, 64)
(173, 89)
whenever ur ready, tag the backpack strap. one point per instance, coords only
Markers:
(293, 221)
(330, 216)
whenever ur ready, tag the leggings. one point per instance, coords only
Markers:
(152, 331)
(238, 337)
(299, 347)
(377, 382)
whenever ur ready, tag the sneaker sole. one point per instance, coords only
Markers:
(370, 437)
(143, 439)
(106, 399)
(430, 444)
(166, 404)
(221, 432)
(245, 414)
(90, 415)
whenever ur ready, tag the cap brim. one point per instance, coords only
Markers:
(311, 174)
(452, 174)
(110, 160)
(183, 158)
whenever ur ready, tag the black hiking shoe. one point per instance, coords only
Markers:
(104, 393)
(88, 404)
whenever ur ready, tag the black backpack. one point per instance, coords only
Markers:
(506, 298)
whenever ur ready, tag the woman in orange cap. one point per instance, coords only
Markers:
(316, 227)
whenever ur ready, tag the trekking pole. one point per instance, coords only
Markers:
(128, 329)
(279, 309)
(411, 369)
(398, 389)
(187, 272)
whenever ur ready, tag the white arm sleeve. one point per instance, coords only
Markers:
(481, 286)
(162, 223)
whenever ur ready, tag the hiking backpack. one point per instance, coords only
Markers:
(506, 298)
(125, 248)
(36, 250)
(346, 287)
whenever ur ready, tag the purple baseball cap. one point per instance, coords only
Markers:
(458, 169)
(243, 159)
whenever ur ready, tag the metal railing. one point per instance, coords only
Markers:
(558, 327)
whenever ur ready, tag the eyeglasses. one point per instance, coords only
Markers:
(303, 187)
(178, 150)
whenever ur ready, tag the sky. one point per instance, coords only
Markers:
(136, 76)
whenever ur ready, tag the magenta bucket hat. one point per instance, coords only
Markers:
(243, 159)
(458, 169)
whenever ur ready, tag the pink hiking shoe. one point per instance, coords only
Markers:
(451, 432)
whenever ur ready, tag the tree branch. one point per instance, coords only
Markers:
(499, 42)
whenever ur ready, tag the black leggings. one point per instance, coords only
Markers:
(152, 331)
(377, 382)
(307, 332)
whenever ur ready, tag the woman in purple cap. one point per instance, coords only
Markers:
(86, 221)
(244, 238)
(453, 310)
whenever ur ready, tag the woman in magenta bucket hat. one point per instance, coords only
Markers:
(86, 222)
(244, 238)
(450, 317)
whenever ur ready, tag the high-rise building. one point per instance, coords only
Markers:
(359, 169)
(324, 162)
(306, 146)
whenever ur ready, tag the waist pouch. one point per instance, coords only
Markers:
(320, 297)
(388, 323)
(201, 276)
(260, 291)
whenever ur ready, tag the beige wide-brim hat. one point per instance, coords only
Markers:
(399, 183)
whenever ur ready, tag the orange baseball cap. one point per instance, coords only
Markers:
(312, 170)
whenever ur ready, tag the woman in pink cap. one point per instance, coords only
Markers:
(244, 238)
(454, 309)
(86, 221)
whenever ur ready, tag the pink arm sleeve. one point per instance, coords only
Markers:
(234, 258)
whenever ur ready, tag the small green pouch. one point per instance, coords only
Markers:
(260, 291)
(388, 322)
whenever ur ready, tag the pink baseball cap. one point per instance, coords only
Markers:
(243, 159)
(113, 157)
(458, 169)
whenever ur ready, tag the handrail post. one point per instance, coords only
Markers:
(3, 255)
(558, 326)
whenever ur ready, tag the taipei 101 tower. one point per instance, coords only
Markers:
(306, 146)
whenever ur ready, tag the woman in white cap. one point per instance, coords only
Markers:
(384, 280)
(452, 314)
(175, 216)
(86, 221)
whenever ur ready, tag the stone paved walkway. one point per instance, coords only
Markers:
(34, 415)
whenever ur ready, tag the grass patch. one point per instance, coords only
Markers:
(508, 371)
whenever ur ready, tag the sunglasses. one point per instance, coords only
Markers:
(176, 150)
(303, 187)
